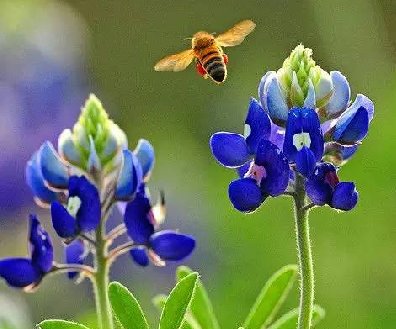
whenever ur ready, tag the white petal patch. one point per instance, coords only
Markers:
(247, 130)
(73, 205)
(301, 140)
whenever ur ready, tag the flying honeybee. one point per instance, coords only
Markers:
(207, 50)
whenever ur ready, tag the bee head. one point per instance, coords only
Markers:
(202, 39)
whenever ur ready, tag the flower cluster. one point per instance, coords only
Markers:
(303, 124)
(93, 170)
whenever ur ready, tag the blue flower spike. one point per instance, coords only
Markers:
(140, 221)
(27, 273)
(83, 210)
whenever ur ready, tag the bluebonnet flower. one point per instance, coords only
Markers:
(307, 113)
(83, 211)
(263, 169)
(141, 219)
(75, 253)
(28, 272)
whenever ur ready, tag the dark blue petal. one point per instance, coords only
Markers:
(276, 166)
(130, 177)
(242, 170)
(245, 195)
(229, 149)
(36, 182)
(19, 272)
(303, 120)
(64, 224)
(345, 196)
(88, 215)
(137, 219)
(41, 246)
(169, 245)
(305, 162)
(145, 153)
(257, 125)
(352, 126)
(53, 170)
(139, 256)
(74, 254)
(318, 188)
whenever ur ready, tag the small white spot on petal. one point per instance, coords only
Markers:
(301, 140)
(73, 205)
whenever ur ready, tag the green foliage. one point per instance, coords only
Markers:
(271, 298)
(60, 324)
(126, 308)
(289, 320)
(176, 305)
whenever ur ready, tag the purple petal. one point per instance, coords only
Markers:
(229, 149)
(245, 195)
(41, 246)
(19, 272)
(130, 177)
(169, 245)
(74, 254)
(145, 153)
(64, 224)
(53, 170)
(276, 166)
(88, 215)
(305, 162)
(139, 256)
(137, 220)
(341, 95)
(345, 196)
(257, 125)
(277, 135)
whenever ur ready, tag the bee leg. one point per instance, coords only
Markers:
(225, 58)
(201, 71)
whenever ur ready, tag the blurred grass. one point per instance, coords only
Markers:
(353, 252)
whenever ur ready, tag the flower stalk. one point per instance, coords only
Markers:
(301, 212)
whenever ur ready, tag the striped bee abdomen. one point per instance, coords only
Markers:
(213, 62)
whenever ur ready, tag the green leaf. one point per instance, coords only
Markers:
(60, 324)
(126, 308)
(177, 303)
(271, 298)
(201, 308)
(289, 320)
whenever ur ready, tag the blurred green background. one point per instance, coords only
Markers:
(354, 252)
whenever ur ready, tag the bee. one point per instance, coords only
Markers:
(207, 50)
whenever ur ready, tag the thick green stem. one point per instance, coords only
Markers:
(304, 256)
(103, 309)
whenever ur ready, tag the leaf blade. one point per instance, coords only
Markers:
(60, 324)
(271, 297)
(126, 308)
(176, 306)
(201, 307)
(290, 319)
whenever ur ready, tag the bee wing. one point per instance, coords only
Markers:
(176, 62)
(235, 35)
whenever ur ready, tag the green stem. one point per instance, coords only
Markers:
(101, 282)
(304, 255)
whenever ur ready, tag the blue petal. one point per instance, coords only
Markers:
(67, 148)
(41, 246)
(261, 87)
(229, 149)
(139, 256)
(257, 125)
(64, 224)
(36, 182)
(277, 136)
(352, 126)
(245, 195)
(94, 163)
(310, 100)
(88, 215)
(303, 120)
(169, 245)
(341, 94)
(130, 177)
(19, 272)
(52, 168)
(345, 196)
(145, 153)
(318, 188)
(74, 254)
(305, 162)
(242, 170)
(275, 101)
(137, 219)
(276, 166)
